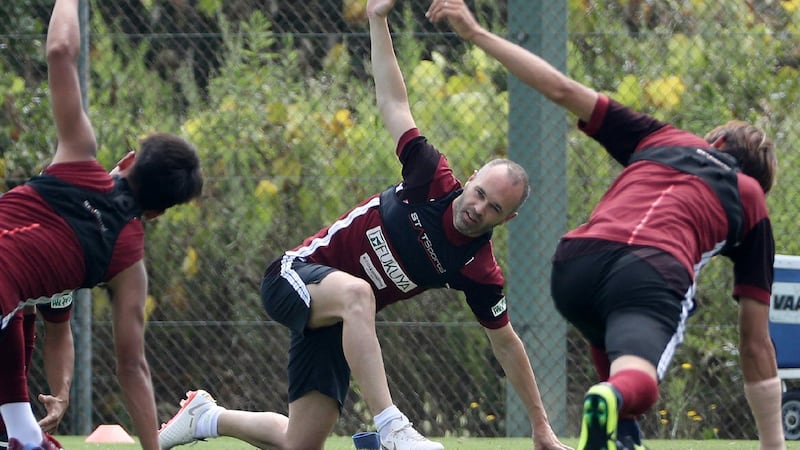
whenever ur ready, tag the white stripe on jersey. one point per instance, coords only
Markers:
(286, 262)
(643, 221)
(335, 227)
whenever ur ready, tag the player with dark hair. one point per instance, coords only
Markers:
(76, 225)
(626, 278)
(426, 232)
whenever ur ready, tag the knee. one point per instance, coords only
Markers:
(638, 389)
(359, 299)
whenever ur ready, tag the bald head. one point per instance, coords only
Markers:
(516, 174)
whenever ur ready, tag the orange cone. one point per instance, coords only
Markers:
(110, 434)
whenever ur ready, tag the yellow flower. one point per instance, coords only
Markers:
(189, 265)
(790, 5)
(266, 189)
(473, 405)
(193, 127)
(686, 366)
(491, 417)
(482, 77)
(665, 92)
(149, 306)
(354, 10)
(664, 421)
(343, 117)
(341, 121)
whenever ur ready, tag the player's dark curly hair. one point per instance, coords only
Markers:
(751, 147)
(166, 172)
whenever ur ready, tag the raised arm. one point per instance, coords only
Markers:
(390, 88)
(526, 66)
(510, 353)
(76, 141)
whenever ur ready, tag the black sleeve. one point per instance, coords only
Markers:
(623, 129)
(420, 160)
(487, 302)
(754, 258)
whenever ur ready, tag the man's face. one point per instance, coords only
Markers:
(489, 199)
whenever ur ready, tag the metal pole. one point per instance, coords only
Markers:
(81, 402)
(537, 141)
(82, 318)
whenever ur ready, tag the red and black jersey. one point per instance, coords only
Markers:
(652, 204)
(361, 244)
(40, 253)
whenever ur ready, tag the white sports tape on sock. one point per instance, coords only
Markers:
(764, 398)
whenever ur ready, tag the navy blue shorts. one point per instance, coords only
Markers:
(316, 357)
(621, 300)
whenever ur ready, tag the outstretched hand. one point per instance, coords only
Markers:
(548, 441)
(379, 8)
(457, 15)
(55, 407)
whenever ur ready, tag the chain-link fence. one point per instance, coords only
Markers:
(278, 98)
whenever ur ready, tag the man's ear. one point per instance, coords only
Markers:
(511, 216)
(125, 163)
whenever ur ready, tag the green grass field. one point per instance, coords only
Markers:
(344, 443)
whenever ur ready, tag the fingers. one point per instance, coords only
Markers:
(443, 9)
(436, 10)
(55, 408)
(456, 14)
(49, 424)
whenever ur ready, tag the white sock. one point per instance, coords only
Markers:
(764, 398)
(385, 417)
(21, 423)
(207, 423)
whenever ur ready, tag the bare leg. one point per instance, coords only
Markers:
(341, 297)
(627, 362)
(311, 419)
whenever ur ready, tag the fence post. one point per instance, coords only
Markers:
(82, 318)
(81, 394)
(537, 140)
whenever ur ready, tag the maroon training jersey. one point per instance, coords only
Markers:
(654, 205)
(356, 243)
(40, 254)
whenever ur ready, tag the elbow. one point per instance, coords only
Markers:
(384, 109)
(389, 108)
(61, 50)
(561, 93)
